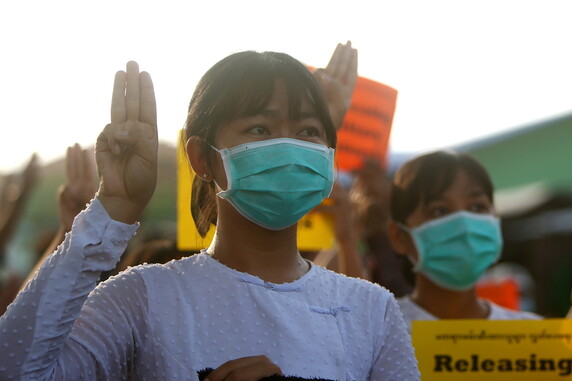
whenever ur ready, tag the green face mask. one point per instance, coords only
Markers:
(276, 182)
(455, 250)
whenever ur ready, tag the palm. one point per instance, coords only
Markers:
(126, 150)
(338, 81)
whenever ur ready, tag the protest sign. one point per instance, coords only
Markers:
(493, 349)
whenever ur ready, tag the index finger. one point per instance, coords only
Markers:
(118, 114)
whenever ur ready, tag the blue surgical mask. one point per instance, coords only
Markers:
(454, 251)
(275, 182)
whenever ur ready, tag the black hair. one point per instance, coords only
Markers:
(426, 177)
(242, 85)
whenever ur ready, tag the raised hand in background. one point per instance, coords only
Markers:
(81, 185)
(13, 197)
(73, 196)
(338, 81)
(342, 212)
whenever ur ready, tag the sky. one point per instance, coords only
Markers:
(463, 69)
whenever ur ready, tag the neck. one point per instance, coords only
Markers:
(244, 246)
(448, 304)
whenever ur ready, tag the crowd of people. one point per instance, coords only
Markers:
(260, 136)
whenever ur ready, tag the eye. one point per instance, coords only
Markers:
(479, 207)
(438, 211)
(309, 132)
(258, 130)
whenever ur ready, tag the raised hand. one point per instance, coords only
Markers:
(126, 150)
(338, 81)
(80, 187)
(14, 195)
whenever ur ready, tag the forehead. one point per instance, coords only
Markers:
(281, 100)
(462, 185)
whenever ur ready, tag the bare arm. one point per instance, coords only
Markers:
(339, 207)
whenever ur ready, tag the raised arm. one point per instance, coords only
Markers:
(338, 81)
(35, 330)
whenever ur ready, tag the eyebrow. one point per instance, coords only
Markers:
(475, 192)
(271, 113)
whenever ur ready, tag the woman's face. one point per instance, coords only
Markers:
(463, 194)
(272, 123)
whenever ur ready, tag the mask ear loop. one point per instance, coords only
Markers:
(223, 153)
(408, 230)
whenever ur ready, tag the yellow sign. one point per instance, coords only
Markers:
(315, 231)
(493, 349)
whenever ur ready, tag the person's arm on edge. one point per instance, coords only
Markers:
(35, 328)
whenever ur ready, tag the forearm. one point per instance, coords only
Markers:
(56, 241)
(349, 259)
(36, 326)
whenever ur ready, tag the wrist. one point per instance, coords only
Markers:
(120, 209)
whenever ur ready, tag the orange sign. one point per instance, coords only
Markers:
(365, 131)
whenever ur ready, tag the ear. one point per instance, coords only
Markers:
(399, 239)
(197, 153)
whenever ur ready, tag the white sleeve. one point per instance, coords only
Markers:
(395, 357)
(35, 330)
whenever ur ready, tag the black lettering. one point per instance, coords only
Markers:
(488, 365)
(520, 365)
(565, 365)
(505, 365)
(547, 362)
(532, 362)
(443, 361)
(475, 363)
(371, 111)
(461, 365)
(360, 130)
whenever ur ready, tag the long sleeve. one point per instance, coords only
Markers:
(36, 327)
(395, 359)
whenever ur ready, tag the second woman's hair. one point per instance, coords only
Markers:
(426, 177)
(242, 85)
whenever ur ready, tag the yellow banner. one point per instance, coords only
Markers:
(493, 349)
(315, 231)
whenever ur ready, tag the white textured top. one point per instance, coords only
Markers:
(412, 311)
(169, 321)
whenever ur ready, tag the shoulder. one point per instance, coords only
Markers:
(368, 300)
(349, 286)
(412, 311)
(173, 267)
(502, 313)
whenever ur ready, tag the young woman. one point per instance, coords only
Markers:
(261, 141)
(443, 220)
